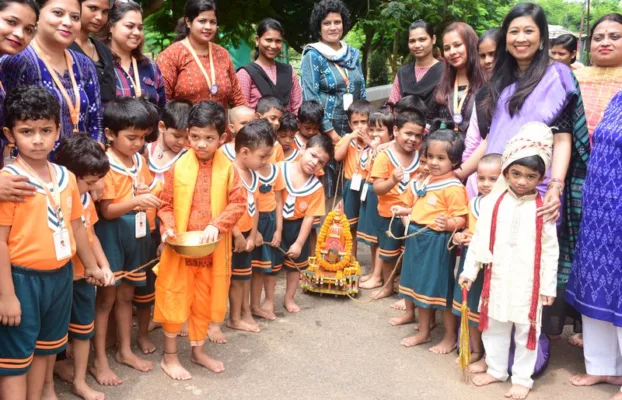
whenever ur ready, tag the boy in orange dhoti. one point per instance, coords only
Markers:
(201, 192)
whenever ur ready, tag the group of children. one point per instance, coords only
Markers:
(254, 185)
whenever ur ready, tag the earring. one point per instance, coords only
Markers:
(541, 47)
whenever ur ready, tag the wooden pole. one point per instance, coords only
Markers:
(580, 48)
(587, 29)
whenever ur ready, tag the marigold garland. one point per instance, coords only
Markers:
(321, 240)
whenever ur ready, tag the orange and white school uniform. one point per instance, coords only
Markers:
(241, 263)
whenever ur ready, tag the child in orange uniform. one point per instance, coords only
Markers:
(253, 148)
(85, 158)
(271, 109)
(350, 149)
(38, 238)
(202, 192)
(286, 134)
(310, 116)
(303, 201)
(238, 117)
(123, 229)
(392, 170)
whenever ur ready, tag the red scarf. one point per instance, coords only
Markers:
(483, 316)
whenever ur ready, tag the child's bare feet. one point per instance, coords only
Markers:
(446, 346)
(517, 392)
(64, 370)
(589, 380)
(242, 325)
(291, 306)
(371, 283)
(432, 326)
(475, 357)
(146, 345)
(154, 325)
(416, 340)
(365, 278)
(478, 366)
(132, 360)
(199, 357)
(48, 392)
(617, 396)
(399, 305)
(406, 318)
(184, 330)
(215, 335)
(103, 374)
(81, 389)
(264, 313)
(484, 379)
(576, 340)
(381, 294)
(172, 367)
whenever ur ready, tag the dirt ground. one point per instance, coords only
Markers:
(335, 348)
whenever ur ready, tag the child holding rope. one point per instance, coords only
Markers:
(392, 171)
(253, 146)
(436, 210)
(518, 252)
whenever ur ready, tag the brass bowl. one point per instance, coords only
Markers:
(188, 245)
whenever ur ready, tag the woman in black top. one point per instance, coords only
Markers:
(94, 17)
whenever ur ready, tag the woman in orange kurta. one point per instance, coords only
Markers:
(193, 67)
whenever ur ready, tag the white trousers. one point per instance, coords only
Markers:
(497, 339)
(602, 342)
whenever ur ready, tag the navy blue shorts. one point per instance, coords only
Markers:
(241, 264)
(291, 230)
(82, 323)
(351, 203)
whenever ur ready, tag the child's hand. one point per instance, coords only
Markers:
(465, 281)
(94, 276)
(441, 222)
(10, 310)
(250, 244)
(160, 249)
(398, 174)
(276, 239)
(400, 211)
(458, 238)
(239, 243)
(147, 200)
(210, 234)
(294, 251)
(363, 136)
(142, 189)
(547, 300)
(258, 239)
(168, 234)
(109, 279)
(467, 238)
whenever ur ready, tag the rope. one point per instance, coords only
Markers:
(339, 180)
(124, 274)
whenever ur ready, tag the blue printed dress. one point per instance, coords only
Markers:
(595, 284)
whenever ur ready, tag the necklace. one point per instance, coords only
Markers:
(160, 154)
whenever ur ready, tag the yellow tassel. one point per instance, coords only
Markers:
(465, 342)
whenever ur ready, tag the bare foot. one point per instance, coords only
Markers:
(208, 362)
(589, 380)
(576, 340)
(432, 326)
(173, 368)
(132, 360)
(81, 389)
(446, 346)
(48, 392)
(475, 357)
(617, 396)
(248, 318)
(184, 330)
(103, 374)
(215, 335)
(371, 283)
(381, 294)
(407, 318)
(484, 379)
(265, 314)
(416, 340)
(154, 325)
(291, 306)
(479, 366)
(242, 326)
(64, 370)
(146, 345)
(365, 278)
(517, 392)
(399, 305)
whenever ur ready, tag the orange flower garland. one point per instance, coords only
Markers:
(322, 239)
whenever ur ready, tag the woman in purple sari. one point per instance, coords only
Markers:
(526, 85)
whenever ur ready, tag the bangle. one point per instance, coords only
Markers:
(556, 185)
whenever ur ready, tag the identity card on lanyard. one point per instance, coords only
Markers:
(348, 98)
(138, 91)
(62, 242)
(74, 107)
(140, 222)
(211, 80)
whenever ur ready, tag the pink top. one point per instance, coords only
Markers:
(396, 95)
(471, 141)
(252, 94)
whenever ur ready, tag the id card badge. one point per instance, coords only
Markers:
(141, 224)
(364, 192)
(355, 182)
(62, 244)
(348, 98)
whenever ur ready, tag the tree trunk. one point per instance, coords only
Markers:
(151, 7)
(367, 49)
(395, 52)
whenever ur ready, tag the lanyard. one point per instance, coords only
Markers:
(211, 83)
(344, 75)
(53, 197)
(74, 107)
(2, 89)
(136, 81)
(458, 105)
